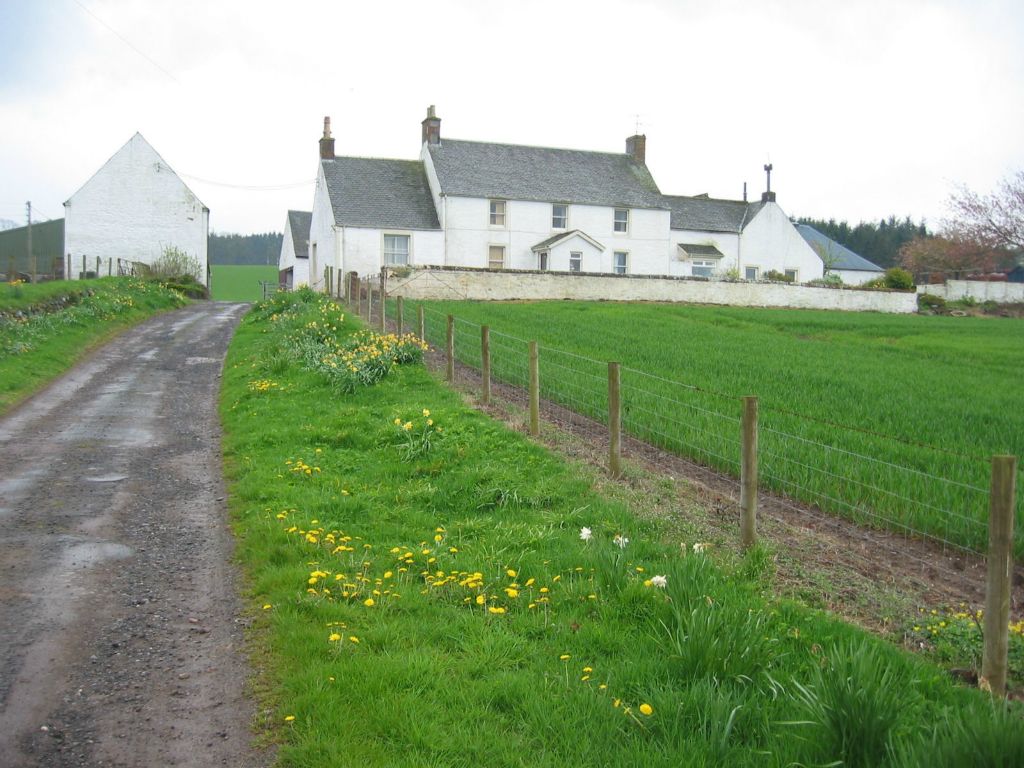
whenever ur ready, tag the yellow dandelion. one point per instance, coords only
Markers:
(646, 709)
(353, 639)
(289, 718)
(368, 602)
(334, 637)
(564, 657)
(267, 606)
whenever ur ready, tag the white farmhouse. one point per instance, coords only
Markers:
(839, 260)
(369, 213)
(133, 208)
(293, 264)
(508, 206)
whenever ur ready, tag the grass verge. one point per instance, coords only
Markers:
(46, 328)
(432, 589)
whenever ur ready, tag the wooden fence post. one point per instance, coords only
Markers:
(450, 349)
(370, 295)
(110, 266)
(399, 314)
(1000, 572)
(748, 475)
(383, 312)
(422, 322)
(614, 420)
(84, 270)
(534, 390)
(485, 364)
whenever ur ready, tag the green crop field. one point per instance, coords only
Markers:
(888, 420)
(232, 282)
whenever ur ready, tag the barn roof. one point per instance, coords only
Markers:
(298, 223)
(839, 256)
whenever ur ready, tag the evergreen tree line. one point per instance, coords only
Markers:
(260, 249)
(879, 242)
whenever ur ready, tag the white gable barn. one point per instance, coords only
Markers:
(293, 264)
(133, 208)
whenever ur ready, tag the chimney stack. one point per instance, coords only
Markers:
(431, 132)
(326, 142)
(768, 196)
(636, 147)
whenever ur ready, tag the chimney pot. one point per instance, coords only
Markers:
(326, 142)
(431, 127)
(636, 147)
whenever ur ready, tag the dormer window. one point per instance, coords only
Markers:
(621, 220)
(559, 216)
(498, 213)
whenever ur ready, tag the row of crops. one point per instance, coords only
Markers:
(888, 421)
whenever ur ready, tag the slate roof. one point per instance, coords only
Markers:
(378, 193)
(701, 251)
(542, 174)
(298, 223)
(707, 214)
(841, 256)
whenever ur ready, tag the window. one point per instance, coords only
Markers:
(559, 216)
(750, 273)
(575, 261)
(704, 267)
(621, 220)
(542, 261)
(619, 262)
(792, 275)
(496, 257)
(396, 249)
(498, 213)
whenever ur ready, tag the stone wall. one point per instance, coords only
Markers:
(980, 290)
(508, 285)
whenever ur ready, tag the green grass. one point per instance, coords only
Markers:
(40, 345)
(237, 282)
(331, 508)
(887, 420)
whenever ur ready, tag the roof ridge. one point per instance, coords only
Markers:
(707, 199)
(366, 157)
(535, 146)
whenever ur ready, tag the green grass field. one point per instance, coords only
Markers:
(431, 589)
(38, 346)
(231, 282)
(888, 420)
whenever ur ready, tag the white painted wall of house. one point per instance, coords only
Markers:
(323, 240)
(469, 234)
(132, 208)
(770, 241)
(364, 248)
(726, 242)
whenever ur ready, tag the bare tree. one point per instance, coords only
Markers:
(995, 220)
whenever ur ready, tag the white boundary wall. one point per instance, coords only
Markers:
(507, 285)
(981, 290)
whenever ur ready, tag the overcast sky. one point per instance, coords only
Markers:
(864, 108)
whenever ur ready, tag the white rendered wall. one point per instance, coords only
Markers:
(363, 248)
(726, 242)
(980, 290)
(483, 285)
(855, 276)
(288, 259)
(323, 248)
(771, 241)
(469, 234)
(133, 208)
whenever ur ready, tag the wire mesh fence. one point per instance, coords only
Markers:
(870, 479)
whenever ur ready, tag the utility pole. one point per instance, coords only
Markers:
(31, 261)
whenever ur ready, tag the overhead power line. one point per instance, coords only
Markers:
(125, 40)
(250, 187)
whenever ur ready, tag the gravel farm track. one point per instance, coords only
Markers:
(120, 622)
